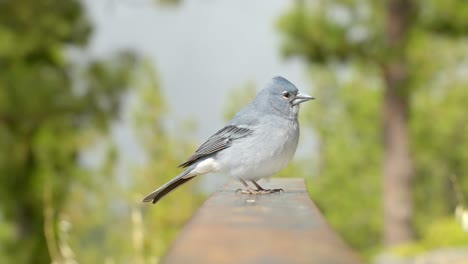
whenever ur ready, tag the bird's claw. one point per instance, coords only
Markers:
(280, 190)
(262, 191)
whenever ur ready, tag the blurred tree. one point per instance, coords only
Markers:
(165, 151)
(381, 54)
(110, 222)
(50, 110)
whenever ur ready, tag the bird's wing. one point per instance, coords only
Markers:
(219, 141)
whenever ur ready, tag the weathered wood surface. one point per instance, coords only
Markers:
(283, 227)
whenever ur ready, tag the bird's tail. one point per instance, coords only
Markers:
(169, 187)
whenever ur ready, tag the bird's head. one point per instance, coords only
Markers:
(281, 96)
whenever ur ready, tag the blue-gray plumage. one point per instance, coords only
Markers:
(257, 143)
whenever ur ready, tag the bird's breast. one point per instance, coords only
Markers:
(266, 152)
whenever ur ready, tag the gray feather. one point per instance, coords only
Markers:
(219, 141)
(164, 190)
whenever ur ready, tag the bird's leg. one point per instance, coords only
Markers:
(249, 189)
(259, 188)
(265, 191)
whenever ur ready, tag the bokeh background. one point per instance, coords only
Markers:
(100, 100)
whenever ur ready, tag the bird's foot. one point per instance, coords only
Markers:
(260, 191)
(268, 191)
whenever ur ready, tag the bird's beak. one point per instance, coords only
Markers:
(301, 98)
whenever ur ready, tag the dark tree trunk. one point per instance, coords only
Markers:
(28, 215)
(397, 167)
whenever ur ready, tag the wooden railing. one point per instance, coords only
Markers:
(284, 227)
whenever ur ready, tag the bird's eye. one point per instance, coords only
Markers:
(286, 94)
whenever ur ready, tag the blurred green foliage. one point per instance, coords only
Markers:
(347, 185)
(165, 153)
(442, 233)
(344, 44)
(56, 107)
(111, 223)
(50, 110)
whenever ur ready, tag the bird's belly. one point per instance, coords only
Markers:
(273, 151)
(263, 167)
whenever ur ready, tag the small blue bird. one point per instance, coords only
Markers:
(257, 143)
